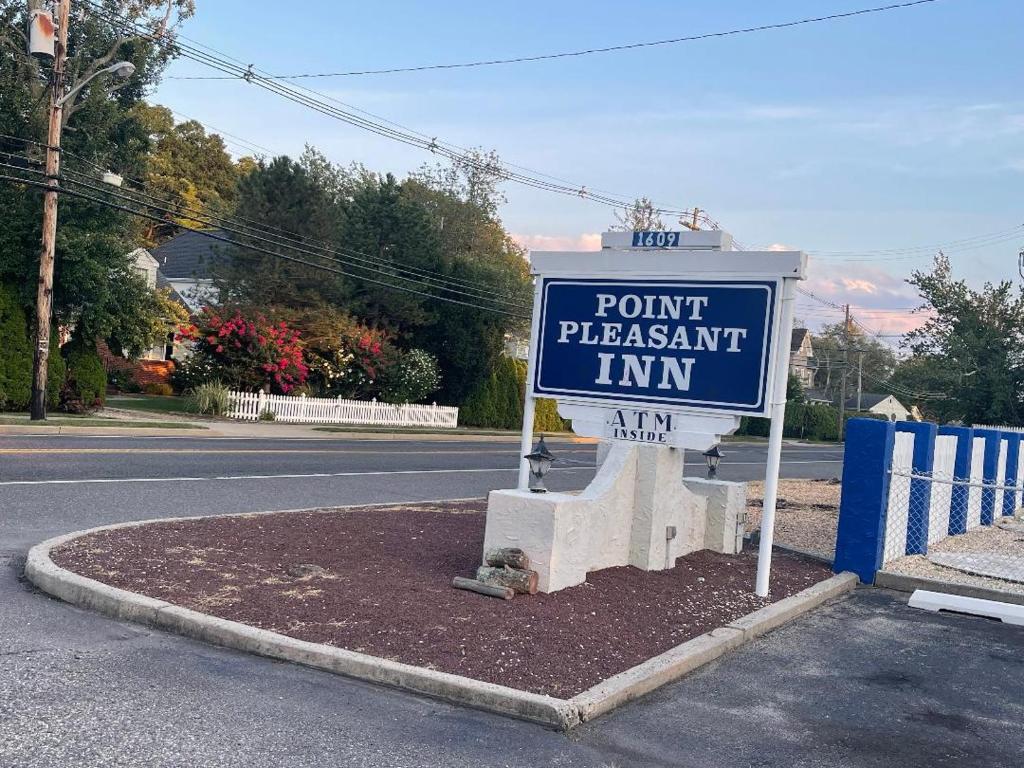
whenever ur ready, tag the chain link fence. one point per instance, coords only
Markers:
(967, 529)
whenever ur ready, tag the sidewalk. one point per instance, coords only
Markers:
(178, 426)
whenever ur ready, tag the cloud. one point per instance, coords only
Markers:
(585, 242)
(879, 300)
(781, 247)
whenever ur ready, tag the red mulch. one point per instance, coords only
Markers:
(386, 591)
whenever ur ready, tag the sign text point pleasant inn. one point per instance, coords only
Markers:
(659, 342)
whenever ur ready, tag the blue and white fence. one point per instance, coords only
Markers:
(908, 486)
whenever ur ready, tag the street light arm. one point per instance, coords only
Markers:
(122, 69)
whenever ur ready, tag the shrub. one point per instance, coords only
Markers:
(497, 402)
(268, 415)
(210, 398)
(56, 373)
(15, 353)
(194, 370)
(411, 378)
(249, 353)
(158, 388)
(86, 385)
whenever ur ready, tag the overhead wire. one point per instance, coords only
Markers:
(592, 51)
(387, 129)
(76, 192)
(479, 290)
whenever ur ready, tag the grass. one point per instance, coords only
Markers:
(67, 420)
(152, 403)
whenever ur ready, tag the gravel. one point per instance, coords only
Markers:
(806, 515)
(385, 589)
(981, 541)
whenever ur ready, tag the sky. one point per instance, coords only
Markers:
(868, 142)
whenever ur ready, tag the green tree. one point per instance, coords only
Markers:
(836, 349)
(286, 199)
(187, 167)
(971, 347)
(641, 216)
(96, 289)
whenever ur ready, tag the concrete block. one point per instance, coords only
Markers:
(636, 512)
(725, 513)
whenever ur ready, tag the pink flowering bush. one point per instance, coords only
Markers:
(246, 353)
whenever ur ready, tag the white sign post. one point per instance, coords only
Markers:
(660, 339)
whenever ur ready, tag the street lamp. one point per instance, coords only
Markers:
(44, 292)
(712, 457)
(122, 70)
(540, 462)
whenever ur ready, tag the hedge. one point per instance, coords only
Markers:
(15, 353)
(86, 385)
(497, 402)
(16, 357)
(805, 421)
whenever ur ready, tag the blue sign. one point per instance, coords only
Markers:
(656, 239)
(695, 344)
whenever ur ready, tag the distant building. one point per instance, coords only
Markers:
(148, 267)
(188, 262)
(801, 357)
(883, 405)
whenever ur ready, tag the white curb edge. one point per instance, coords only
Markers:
(562, 714)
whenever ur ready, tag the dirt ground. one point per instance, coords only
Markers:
(378, 580)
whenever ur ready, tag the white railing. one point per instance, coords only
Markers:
(328, 410)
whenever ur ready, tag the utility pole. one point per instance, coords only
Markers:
(842, 380)
(44, 295)
(691, 225)
(860, 374)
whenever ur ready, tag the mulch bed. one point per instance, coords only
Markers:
(385, 590)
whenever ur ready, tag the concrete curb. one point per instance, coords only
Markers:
(901, 582)
(561, 714)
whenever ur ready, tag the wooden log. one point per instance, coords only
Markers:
(513, 557)
(472, 585)
(524, 582)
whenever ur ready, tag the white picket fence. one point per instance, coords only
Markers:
(328, 410)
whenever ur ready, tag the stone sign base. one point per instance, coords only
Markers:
(637, 511)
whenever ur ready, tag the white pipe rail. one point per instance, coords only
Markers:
(250, 406)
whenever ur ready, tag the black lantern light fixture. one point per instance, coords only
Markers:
(540, 462)
(713, 456)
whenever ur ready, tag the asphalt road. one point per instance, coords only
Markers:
(56, 484)
(867, 682)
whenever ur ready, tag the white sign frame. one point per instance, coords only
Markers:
(704, 261)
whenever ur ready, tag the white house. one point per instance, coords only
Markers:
(801, 353)
(148, 267)
(883, 405)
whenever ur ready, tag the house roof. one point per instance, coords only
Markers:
(190, 255)
(163, 282)
(799, 334)
(816, 396)
(868, 400)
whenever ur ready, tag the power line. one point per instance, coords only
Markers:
(220, 238)
(586, 51)
(347, 115)
(478, 290)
